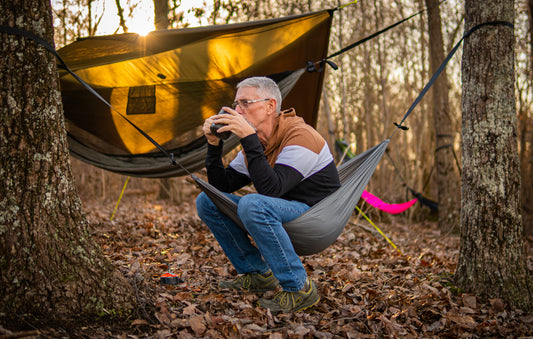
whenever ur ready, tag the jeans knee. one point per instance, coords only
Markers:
(203, 204)
(254, 208)
(248, 204)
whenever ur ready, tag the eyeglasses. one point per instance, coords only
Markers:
(245, 103)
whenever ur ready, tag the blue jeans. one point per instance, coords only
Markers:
(263, 217)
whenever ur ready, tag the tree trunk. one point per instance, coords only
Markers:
(161, 14)
(162, 22)
(527, 190)
(50, 267)
(447, 173)
(491, 259)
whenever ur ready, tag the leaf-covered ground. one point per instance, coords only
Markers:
(368, 289)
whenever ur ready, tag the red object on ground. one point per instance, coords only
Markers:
(170, 279)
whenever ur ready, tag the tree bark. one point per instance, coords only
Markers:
(447, 172)
(527, 189)
(491, 260)
(161, 10)
(50, 267)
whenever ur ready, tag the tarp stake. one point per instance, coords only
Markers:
(120, 198)
(377, 228)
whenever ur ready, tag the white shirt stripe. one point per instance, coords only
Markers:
(298, 157)
(304, 160)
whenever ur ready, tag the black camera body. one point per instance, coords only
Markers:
(214, 128)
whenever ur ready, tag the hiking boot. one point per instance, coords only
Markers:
(292, 301)
(253, 282)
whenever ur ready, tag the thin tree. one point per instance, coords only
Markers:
(120, 13)
(50, 267)
(491, 260)
(447, 174)
(527, 133)
(161, 11)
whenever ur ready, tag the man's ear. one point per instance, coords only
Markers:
(272, 105)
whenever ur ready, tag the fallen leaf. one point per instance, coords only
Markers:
(197, 325)
(189, 310)
(138, 322)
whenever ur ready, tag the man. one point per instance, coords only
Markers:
(291, 167)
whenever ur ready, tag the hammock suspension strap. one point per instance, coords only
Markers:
(444, 64)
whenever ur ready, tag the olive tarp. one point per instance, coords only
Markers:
(169, 81)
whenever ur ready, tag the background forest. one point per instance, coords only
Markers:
(375, 84)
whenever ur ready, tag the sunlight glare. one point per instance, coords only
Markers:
(142, 30)
(142, 20)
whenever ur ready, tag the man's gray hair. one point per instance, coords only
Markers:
(266, 87)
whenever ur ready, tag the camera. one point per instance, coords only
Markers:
(214, 128)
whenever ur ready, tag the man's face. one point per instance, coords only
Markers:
(256, 112)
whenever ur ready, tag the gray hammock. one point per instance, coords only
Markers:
(319, 226)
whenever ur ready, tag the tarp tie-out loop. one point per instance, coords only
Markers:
(51, 49)
(331, 64)
(444, 64)
(311, 66)
(405, 128)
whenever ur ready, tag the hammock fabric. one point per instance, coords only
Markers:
(170, 81)
(319, 226)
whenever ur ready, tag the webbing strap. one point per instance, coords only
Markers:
(51, 49)
(443, 147)
(373, 35)
(311, 66)
(444, 64)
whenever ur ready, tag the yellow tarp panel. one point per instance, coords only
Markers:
(169, 81)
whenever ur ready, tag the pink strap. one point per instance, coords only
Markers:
(389, 208)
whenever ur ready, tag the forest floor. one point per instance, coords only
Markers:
(368, 289)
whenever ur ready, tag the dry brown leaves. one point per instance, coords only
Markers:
(368, 289)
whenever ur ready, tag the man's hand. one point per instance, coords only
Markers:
(206, 128)
(235, 123)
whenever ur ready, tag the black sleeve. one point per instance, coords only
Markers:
(225, 179)
(274, 182)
